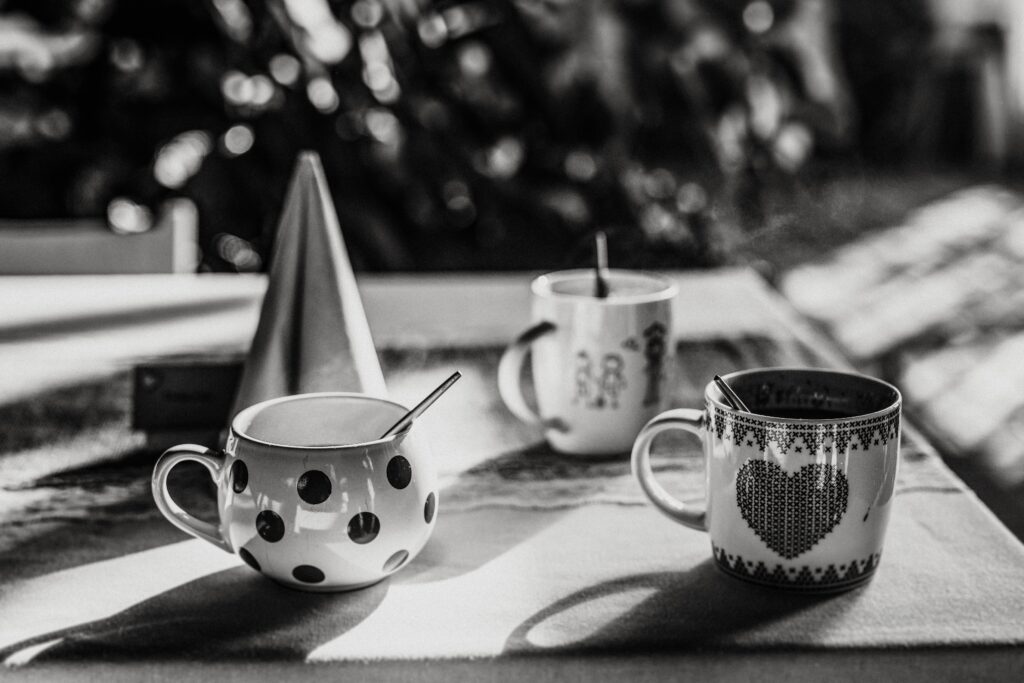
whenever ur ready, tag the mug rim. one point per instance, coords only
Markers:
(257, 407)
(714, 395)
(542, 287)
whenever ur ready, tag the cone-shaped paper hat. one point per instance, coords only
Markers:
(312, 334)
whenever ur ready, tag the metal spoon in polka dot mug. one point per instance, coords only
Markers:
(309, 494)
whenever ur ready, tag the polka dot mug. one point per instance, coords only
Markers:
(309, 495)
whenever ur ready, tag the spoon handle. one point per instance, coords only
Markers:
(601, 267)
(404, 421)
(730, 395)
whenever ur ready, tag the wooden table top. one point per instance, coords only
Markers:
(540, 566)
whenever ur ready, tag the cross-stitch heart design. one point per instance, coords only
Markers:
(791, 512)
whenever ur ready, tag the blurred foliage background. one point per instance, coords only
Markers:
(469, 134)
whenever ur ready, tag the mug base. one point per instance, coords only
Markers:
(806, 590)
(322, 588)
(805, 579)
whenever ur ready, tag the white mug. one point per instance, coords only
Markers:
(308, 493)
(602, 367)
(799, 490)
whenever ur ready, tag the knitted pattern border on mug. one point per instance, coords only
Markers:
(829, 577)
(855, 434)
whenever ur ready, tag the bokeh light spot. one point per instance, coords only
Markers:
(238, 252)
(505, 158)
(262, 90)
(660, 184)
(285, 68)
(326, 39)
(125, 217)
(322, 94)
(475, 59)
(383, 126)
(758, 16)
(235, 18)
(793, 145)
(367, 13)
(691, 198)
(376, 75)
(180, 159)
(432, 30)
(126, 55)
(580, 166)
(238, 140)
(54, 124)
(236, 88)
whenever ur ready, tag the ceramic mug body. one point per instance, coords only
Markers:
(601, 368)
(309, 497)
(799, 498)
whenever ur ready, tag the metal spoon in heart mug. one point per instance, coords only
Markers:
(799, 488)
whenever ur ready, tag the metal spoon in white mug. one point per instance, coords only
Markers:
(601, 289)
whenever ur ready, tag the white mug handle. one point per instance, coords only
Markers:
(510, 370)
(213, 462)
(688, 420)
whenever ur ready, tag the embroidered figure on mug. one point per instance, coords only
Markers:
(584, 378)
(611, 382)
(654, 352)
(631, 344)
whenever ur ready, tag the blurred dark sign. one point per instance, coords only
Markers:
(184, 394)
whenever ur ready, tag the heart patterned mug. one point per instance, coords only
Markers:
(799, 490)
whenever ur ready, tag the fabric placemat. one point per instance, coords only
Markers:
(496, 582)
(533, 553)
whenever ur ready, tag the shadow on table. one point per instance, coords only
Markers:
(467, 539)
(105, 510)
(105, 320)
(98, 522)
(665, 611)
(95, 513)
(232, 614)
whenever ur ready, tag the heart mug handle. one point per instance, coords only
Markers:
(687, 420)
(213, 461)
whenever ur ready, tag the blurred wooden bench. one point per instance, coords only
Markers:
(87, 247)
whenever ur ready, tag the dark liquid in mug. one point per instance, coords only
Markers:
(803, 413)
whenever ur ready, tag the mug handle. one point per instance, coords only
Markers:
(213, 461)
(510, 369)
(688, 420)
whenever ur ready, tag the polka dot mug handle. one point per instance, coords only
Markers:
(688, 420)
(213, 462)
(510, 369)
